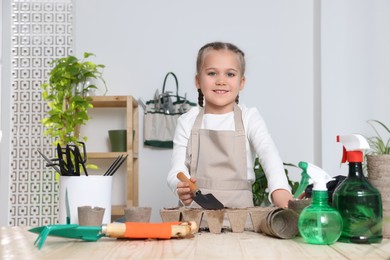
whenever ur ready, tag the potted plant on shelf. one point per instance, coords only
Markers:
(378, 168)
(66, 94)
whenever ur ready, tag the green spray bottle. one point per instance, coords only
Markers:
(359, 203)
(319, 223)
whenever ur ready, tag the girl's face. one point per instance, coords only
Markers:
(220, 80)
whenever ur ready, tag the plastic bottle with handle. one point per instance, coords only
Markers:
(319, 223)
(359, 203)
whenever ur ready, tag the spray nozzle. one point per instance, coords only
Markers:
(305, 179)
(319, 177)
(353, 147)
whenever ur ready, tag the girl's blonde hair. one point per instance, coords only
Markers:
(218, 46)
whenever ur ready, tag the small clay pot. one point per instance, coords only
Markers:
(89, 216)
(138, 214)
(214, 220)
(192, 214)
(170, 214)
(237, 219)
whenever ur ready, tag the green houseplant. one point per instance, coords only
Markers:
(378, 167)
(379, 145)
(66, 95)
(259, 187)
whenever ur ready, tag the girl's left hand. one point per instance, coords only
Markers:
(280, 198)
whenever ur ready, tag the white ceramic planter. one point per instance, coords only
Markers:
(94, 191)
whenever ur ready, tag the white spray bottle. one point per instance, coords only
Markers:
(319, 223)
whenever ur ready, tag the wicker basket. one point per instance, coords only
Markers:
(378, 168)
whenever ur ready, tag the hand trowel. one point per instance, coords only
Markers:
(206, 201)
(132, 230)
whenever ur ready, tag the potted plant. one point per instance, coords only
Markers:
(67, 96)
(66, 93)
(378, 167)
(259, 187)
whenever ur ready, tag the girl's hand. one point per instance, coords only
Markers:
(281, 197)
(184, 192)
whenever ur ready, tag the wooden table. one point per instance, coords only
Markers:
(17, 243)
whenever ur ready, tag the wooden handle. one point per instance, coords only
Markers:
(184, 229)
(163, 230)
(114, 229)
(181, 176)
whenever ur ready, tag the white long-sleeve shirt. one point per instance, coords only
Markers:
(258, 142)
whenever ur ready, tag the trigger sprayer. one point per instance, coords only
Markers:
(359, 203)
(319, 223)
(305, 179)
(353, 147)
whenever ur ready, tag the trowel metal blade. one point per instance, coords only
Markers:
(207, 201)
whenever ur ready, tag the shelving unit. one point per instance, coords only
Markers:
(131, 106)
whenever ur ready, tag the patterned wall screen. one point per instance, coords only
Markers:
(41, 31)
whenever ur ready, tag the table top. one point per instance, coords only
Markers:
(18, 243)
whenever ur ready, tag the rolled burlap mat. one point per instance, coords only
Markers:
(265, 225)
(257, 214)
(89, 216)
(280, 223)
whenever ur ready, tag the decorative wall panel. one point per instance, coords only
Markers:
(41, 31)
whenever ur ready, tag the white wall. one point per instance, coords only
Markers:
(5, 106)
(355, 72)
(140, 41)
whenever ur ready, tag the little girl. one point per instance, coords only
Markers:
(216, 144)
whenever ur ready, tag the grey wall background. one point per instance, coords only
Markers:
(315, 68)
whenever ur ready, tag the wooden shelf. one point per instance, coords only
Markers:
(131, 106)
(113, 101)
(118, 210)
(109, 155)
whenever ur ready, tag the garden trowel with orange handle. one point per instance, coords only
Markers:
(206, 201)
(136, 230)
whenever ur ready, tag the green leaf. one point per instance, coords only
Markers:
(63, 88)
(377, 144)
(259, 187)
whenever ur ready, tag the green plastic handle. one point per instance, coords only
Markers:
(88, 233)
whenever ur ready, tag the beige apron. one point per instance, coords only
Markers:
(220, 167)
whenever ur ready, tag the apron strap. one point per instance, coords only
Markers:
(195, 139)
